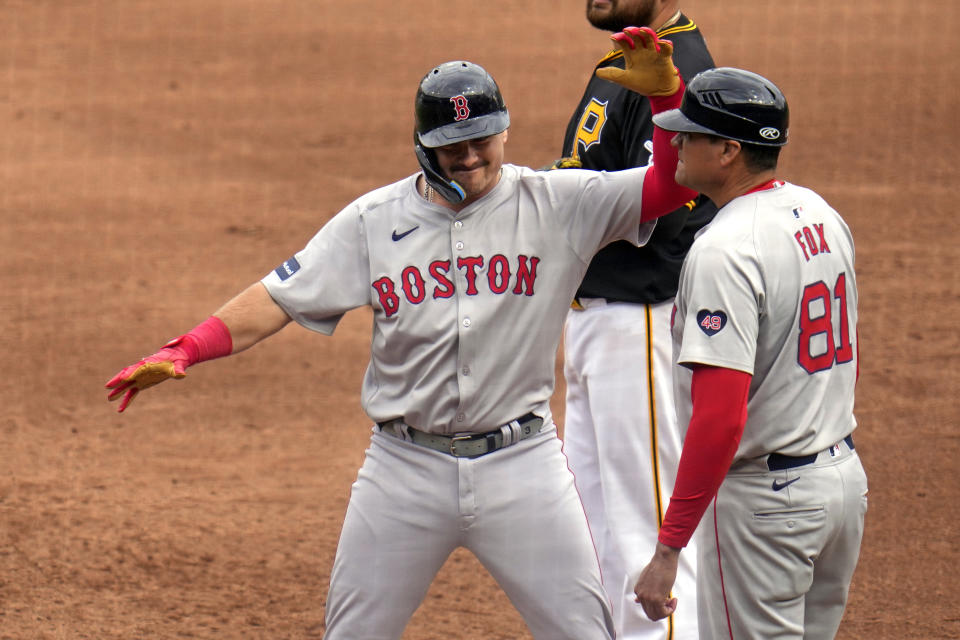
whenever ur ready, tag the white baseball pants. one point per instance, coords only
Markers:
(777, 562)
(516, 509)
(623, 444)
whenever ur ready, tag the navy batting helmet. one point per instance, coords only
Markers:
(733, 104)
(456, 101)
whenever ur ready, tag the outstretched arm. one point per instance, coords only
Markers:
(661, 193)
(239, 324)
(649, 70)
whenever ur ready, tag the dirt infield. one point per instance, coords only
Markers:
(160, 156)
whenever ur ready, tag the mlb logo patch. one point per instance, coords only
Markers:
(835, 450)
(288, 268)
(711, 322)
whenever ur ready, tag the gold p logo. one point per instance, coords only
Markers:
(591, 124)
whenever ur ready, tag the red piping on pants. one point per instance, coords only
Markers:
(723, 588)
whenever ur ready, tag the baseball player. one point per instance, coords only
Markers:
(468, 266)
(765, 331)
(621, 434)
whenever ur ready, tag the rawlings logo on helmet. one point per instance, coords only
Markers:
(770, 133)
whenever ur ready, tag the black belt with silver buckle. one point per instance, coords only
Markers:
(471, 445)
(779, 462)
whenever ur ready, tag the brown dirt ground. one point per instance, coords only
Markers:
(158, 157)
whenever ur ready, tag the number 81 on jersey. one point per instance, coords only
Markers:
(830, 348)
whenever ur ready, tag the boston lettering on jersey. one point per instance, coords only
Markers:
(501, 276)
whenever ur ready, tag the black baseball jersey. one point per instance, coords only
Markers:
(606, 133)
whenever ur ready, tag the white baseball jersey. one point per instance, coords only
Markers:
(769, 288)
(469, 306)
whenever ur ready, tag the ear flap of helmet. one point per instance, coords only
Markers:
(449, 189)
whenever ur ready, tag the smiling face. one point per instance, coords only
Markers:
(614, 15)
(474, 164)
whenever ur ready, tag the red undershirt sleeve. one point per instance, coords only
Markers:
(661, 193)
(719, 398)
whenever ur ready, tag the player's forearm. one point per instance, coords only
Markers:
(239, 324)
(661, 193)
(252, 316)
(719, 415)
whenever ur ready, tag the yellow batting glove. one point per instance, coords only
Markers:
(648, 62)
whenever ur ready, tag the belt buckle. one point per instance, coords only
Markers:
(453, 444)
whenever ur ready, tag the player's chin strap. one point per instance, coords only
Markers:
(449, 189)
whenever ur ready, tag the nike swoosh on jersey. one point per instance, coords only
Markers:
(777, 486)
(400, 236)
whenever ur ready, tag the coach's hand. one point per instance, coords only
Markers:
(655, 582)
(648, 63)
(169, 362)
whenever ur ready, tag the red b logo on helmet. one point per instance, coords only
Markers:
(461, 109)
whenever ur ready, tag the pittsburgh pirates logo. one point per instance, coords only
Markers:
(591, 125)
(460, 107)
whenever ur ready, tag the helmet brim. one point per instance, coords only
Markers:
(675, 120)
(479, 127)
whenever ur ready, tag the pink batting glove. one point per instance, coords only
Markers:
(170, 362)
(646, 35)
